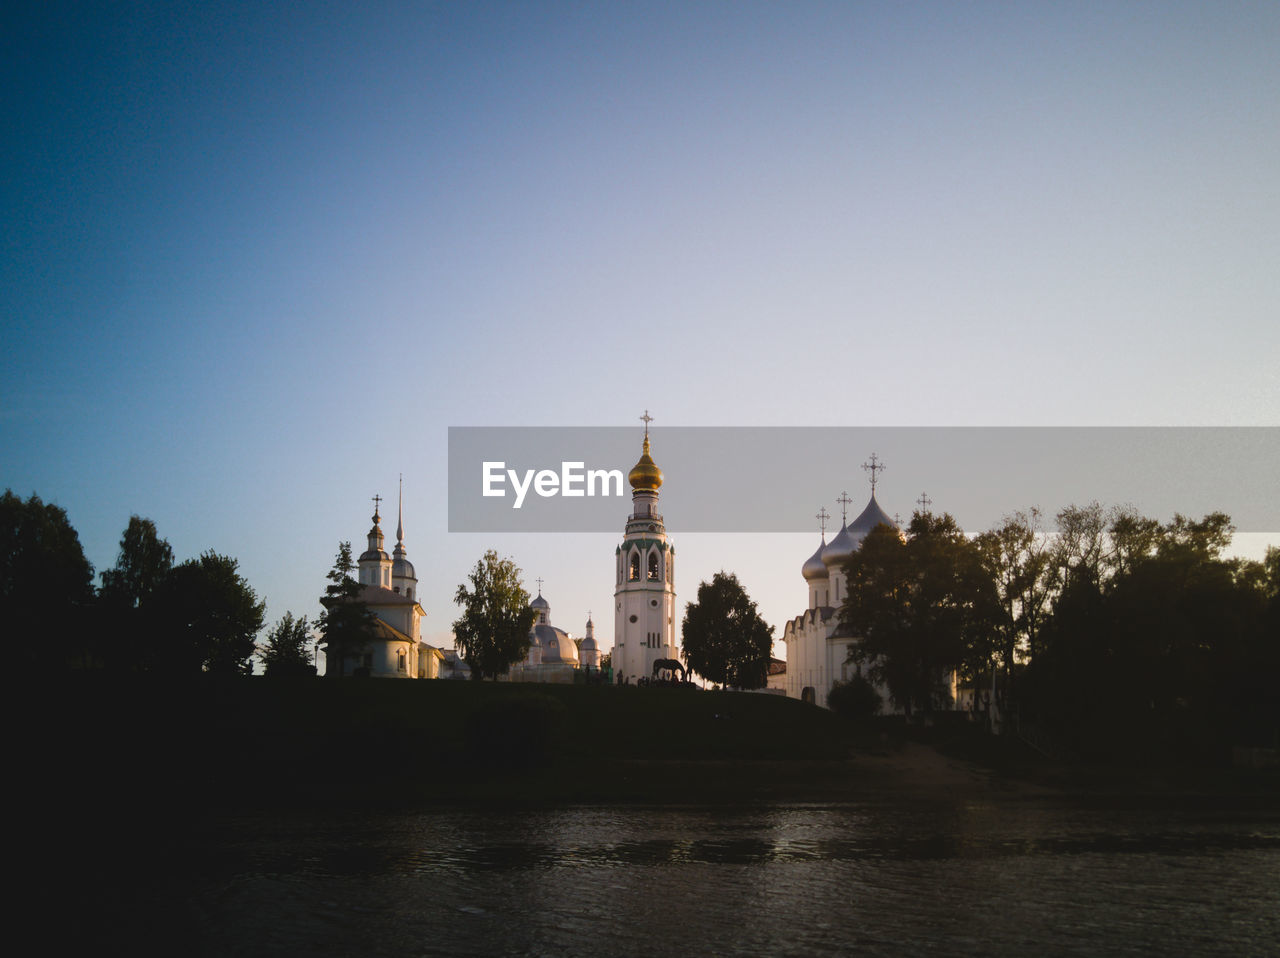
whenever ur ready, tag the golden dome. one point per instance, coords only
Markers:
(645, 474)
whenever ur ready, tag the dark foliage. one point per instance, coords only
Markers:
(723, 637)
(346, 622)
(46, 585)
(856, 699)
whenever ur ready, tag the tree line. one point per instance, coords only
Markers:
(1117, 635)
(149, 613)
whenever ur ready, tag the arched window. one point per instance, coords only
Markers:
(635, 567)
(653, 567)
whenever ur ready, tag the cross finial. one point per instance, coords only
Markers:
(822, 518)
(376, 501)
(897, 519)
(873, 467)
(539, 580)
(844, 501)
(646, 419)
(924, 502)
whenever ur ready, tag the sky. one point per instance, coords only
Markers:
(258, 258)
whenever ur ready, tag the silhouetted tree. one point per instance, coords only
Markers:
(128, 624)
(208, 618)
(920, 607)
(287, 651)
(1017, 558)
(492, 634)
(723, 637)
(1157, 649)
(346, 622)
(46, 584)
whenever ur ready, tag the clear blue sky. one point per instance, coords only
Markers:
(258, 258)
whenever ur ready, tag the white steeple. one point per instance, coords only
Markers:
(403, 577)
(644, 597)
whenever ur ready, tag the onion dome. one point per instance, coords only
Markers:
(645, 475)
(588, 645)
(540, 603)
(814, 567)
(839, 549)
(867, 520)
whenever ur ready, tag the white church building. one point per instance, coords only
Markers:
(389, 587)
(817, 648)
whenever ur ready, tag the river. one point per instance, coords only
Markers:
(952, 877)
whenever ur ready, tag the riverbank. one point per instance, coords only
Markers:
(146, 746)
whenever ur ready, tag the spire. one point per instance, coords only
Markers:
(399, 551)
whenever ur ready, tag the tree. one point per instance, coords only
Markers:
(921, 607)
(208, 617)
(492, 634)
(346, 622)
(723, 637)
(287, 650)
(1016, 556)
(46, 583)
(142, 565)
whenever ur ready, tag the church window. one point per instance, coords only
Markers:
(396, 590)
(402, 662)
(409, 592)
(653, 567)
(635, 567)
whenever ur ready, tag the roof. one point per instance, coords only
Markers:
(388, 634)
(377, 595)
(777, 666)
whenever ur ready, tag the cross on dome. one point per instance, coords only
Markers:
(539, 581)
(844, 501)
(646, 419)
(873, 467)
(376, 501)
(924, 502)
(822, 518)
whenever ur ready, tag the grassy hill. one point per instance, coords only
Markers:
(254, 740)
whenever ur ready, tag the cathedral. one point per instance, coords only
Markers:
(817, 648)
(554, 655)
(644, 630)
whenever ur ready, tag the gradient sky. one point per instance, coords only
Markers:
(256, 261)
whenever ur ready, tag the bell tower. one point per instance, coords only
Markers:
(644, 597)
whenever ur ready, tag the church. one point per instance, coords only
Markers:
(554, 655)
(817, 648)
(388, 586)
(644, 597)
